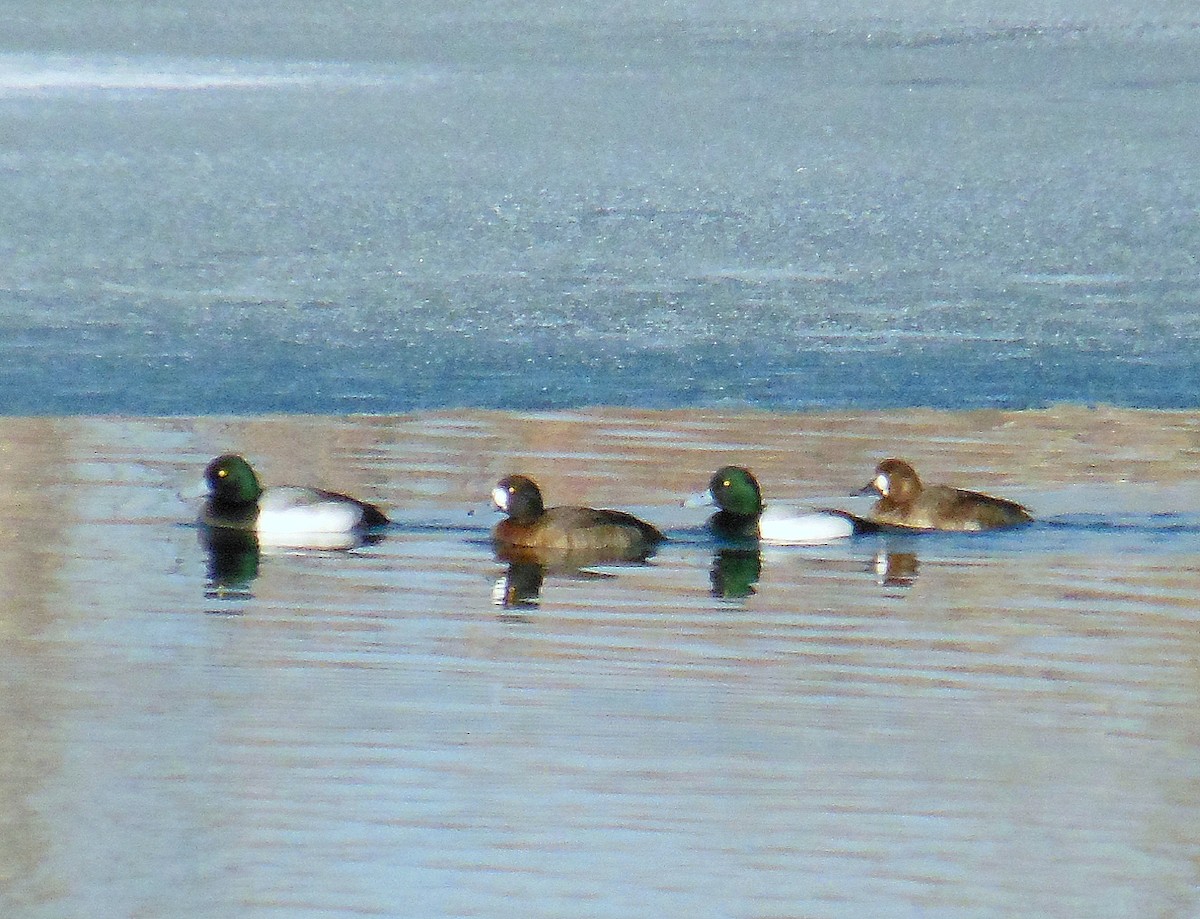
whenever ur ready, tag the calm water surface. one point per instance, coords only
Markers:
(991, 726)
(231, 208)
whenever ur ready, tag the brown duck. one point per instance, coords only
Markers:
(530, 525)
(904, 501)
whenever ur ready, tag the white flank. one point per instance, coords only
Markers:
(792, 526)
(289, 516)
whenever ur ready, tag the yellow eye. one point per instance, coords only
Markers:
(725, 484)
(221, 473)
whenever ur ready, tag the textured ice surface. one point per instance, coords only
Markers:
(541, 208)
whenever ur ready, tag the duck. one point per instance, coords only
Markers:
(283, 514)
(530, 527)
(742, 513)
(906, 502)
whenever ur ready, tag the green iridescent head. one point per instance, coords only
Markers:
(231, 480)
(735, 491)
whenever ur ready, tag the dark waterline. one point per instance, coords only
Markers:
(377, 377)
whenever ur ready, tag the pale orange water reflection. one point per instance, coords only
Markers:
(998, 725)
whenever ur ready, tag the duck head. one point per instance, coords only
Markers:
(231, 480)
(519, 497)
(735, 491)
(895, 482)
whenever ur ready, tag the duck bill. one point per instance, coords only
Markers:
(869, 489)
(701, 499)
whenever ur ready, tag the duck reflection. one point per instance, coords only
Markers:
(233, 556)
(520, 586)
(232, 562)
(734, 573)
(896, 569)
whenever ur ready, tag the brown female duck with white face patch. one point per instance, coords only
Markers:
(529, 525)
(904, 501)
